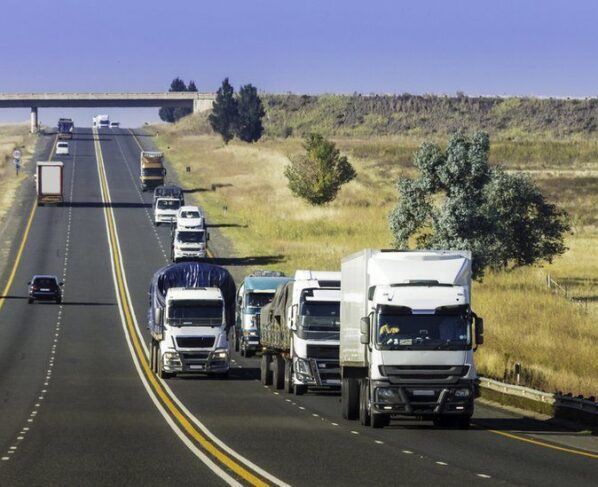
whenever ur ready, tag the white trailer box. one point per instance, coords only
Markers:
(49, 175)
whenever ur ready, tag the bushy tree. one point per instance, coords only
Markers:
(250, 114)
(172, 114)
(317, 175)
(223, 118)
(460, 202)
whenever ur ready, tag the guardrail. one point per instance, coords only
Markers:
(566, 406)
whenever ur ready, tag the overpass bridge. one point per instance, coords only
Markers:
(198, 102)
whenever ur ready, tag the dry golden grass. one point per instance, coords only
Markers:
(12, 137)
(555, 340)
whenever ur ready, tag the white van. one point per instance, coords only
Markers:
(189, 217)
(189, 244)
(165, 210)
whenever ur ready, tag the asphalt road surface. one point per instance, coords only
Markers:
(79, 406)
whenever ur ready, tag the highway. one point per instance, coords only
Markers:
(79, 405)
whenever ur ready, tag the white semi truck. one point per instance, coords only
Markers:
(101, 121)
(192, 308)
(49, 182)
(299, 333)
(408, 336)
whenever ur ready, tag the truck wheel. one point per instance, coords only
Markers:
(364, 403)
(462, 422)
(288, 376)
(161, 372)
(30, 300)
(380, 420)
(299, 389)
(265, 372)
(236, 339)
(350, 398)
(278, 372)
(249, 353)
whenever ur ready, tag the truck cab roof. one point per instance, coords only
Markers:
(420, 297)
(187, 293)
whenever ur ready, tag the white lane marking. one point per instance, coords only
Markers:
(378, 442)
(315, 415)
(407, 452)
(4, 459)
(301, 407)
(334, 424)
(442, 463)
(354, 432)
(484, 476)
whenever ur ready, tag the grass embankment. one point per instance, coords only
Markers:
(12, 137)
(243, 189)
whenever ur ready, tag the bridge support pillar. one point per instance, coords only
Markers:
(34, 122)
(202, 105)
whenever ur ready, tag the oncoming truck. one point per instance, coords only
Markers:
(299, 333)
(256, 291)
(407, 336)
(191, 309)
(151, 169)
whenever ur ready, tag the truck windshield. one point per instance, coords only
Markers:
(319, 315)
(152, 171)
(195, 313)
(169, 204)
(422, 332)
(190, 237)
(257, 300)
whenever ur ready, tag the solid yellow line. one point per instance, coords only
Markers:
(546, 445)
(183, 421)
(15, 265)
(209, 252)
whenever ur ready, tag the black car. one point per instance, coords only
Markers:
(46, 288)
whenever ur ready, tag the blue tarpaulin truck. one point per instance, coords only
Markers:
(66, 127)
(191, 309)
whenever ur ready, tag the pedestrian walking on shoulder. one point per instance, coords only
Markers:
(17, 165)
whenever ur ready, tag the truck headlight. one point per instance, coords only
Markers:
(220, 355)
(302, 367)
(387, 395)
(462, 393)
(172, 358)
(249, 333)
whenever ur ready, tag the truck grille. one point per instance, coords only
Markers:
(424, 374)
(195, 342)
(323, 351)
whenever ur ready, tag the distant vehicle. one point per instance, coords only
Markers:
(189, 217)
(170, 191)
(62, 148)
(165, 210)
(151, 169)
(66, 127)
(49, 185)
(44, 288)
(101, 121)
(189, 244)
(114, 125)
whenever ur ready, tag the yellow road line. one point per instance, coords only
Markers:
(15, 265)
(209, 251)
(135, 339)
(545, 445)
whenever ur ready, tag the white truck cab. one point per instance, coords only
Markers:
(195, 335)
(189, 244)
(165, 210)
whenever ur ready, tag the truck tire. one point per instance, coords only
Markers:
(288, 376)
(365, 418)
(249, 353)
(278, 372)
(161, 373)
(350, 398)
(299, 389)
(236, 339)
(30, 300)
(265, 372)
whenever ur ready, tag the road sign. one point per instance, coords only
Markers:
(16, 154)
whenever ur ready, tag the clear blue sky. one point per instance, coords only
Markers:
(520, 47)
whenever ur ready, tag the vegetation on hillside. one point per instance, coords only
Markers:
(173, 114)
(423, 115)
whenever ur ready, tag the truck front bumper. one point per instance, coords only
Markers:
(189, 254)
(318, 373)
(196, 362)
(423, 400)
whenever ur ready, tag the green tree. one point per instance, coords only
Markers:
(172, 114)
(460, 202)
(223, 118)
(318, 175)
(251, 112)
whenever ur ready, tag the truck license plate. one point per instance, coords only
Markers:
(422, 392)
(196, 367)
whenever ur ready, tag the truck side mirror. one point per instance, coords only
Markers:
(479, 331)
(159, 316)
(364, 326)
(294, 309)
